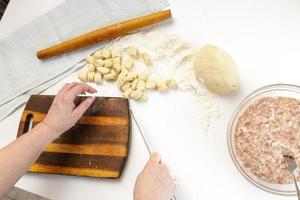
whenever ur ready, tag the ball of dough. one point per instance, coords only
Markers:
(216, 69)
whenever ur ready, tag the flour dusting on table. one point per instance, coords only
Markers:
(172, 58)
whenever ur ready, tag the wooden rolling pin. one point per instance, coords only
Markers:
(102, 34)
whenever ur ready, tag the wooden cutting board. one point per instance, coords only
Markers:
(96, 146)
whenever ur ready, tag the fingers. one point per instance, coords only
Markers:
(82, 107)
(78, 89)
(66, 87)
(155, 158)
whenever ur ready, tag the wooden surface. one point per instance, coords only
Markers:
(97, 145)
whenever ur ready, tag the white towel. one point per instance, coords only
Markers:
(22, 74)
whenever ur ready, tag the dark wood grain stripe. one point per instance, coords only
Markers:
(81, 161)
(91, 120)
(39, 168)
(92, 149)
(102, 106)
(88, 134)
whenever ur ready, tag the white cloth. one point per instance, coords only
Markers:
(22, 74)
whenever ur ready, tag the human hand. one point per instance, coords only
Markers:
(63, 113)
(154, 182)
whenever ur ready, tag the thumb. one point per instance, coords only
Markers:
(155, 158)
(82, 107)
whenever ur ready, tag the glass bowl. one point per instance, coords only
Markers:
(276, 90)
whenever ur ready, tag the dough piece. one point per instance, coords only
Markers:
(83, 76)
(111, 76)
(108, 63)
(124, 71)
(99, 62)
(91, 67)
(123, 75)
(136, 94)
(144, 97)
(90, 76)
(121, 80)
(134, 84)
(106, 53)
(151, 84)
(126, 86)
(98, 54)
(117, 61)
(89, 59)
(141, 85)
(216, 69)
(98, 78)
(131, 76)
(117, 68)
(162, 86)
(128, 64)
(103, 70)
(132, 52)
(127, 93)
(171, 83)
(143, 76)
(115, 53)
(147, 59)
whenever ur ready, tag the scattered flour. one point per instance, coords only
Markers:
(173, 58)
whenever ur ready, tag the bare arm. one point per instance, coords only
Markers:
(19, 155)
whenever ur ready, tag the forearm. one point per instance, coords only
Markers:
(19, 155)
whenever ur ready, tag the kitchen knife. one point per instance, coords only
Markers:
(143, 137)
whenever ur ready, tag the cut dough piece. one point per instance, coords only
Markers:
(117, 68)
(91, 67)
(108, 63)
(127, 93)
(162, 86)
(98, 78)
(126, 86)
(115, 53)
(103, 70)
(147, 59)
(128, 64)
(116, 61)
(171, 83)
(120, 81)
(111, 76)
(90, 76)
(136, 94)
(89, 59)
(99, 62)
(216, 69)
(124, 71)
(151, 84)
(131, 76)
(98, 54)
(134, 84)
(106, 53)
(144, 97)
(132, 52)
(141, 85)
(83, 76)
(143, 76)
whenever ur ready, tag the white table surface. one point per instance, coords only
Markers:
(262, 37)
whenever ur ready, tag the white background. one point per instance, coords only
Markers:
(263, 38)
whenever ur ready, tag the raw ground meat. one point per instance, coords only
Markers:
(269, 127)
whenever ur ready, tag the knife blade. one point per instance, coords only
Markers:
(141, 133)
